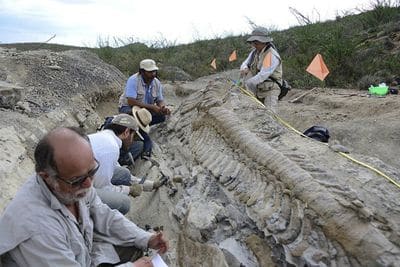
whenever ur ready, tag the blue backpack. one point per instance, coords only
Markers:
(107, 122)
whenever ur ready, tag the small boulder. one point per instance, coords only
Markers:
(10, 94)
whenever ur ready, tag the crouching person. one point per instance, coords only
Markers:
(57, 219)
(114, 184)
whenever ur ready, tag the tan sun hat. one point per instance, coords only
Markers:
(143, 118)
(260, 34)
(128, 121)
(148, 65)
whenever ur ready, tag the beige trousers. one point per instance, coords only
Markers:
(271, 99)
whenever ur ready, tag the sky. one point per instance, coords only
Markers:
(91, 22)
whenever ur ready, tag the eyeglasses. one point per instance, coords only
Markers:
(79, 180)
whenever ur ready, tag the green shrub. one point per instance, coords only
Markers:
(351, 48)
(382, 11)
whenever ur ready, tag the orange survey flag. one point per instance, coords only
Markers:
(233, 56)
(214, 64)
(318, 68)
(267, 60)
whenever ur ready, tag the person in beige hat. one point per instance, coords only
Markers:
(262, 69)
(144, 89)
(139, 147)
(114, 183)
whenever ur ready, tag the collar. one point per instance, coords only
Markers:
(144, 83)
(116, 138)
(53, 201)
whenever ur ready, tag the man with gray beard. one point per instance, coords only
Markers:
(57, 219)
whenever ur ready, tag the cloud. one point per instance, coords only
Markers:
(81, 22)
(22, 28)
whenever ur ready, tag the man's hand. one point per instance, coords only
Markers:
(244, 72)
(156, 109)
(143, 262)
(165, 110)
(135, 190)
(159, 242)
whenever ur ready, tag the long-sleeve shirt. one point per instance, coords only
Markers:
(38, 230)
(264, 72)
(106, 145)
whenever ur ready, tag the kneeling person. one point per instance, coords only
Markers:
(114, 183)
(144, 90)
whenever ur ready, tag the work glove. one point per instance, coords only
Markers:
(160, 182)
(243, 72)
(177, 179)
(135, 190)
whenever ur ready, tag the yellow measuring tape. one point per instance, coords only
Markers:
(253, 97)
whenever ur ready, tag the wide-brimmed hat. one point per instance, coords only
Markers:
(128, 121)
(260, 34)
(143, 118)
(148, 65)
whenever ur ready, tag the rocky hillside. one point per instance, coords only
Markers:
(254, 192)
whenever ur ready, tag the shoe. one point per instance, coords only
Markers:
(146, 155)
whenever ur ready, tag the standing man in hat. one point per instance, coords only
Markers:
(144, 90)
(114, 184)
(262, 69)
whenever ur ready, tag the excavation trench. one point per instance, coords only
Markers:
(254, 193)
(257, 194)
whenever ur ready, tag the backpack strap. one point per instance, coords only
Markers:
(253, 54)
(275, 81)
(107, 122)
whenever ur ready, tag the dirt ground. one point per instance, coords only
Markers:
(364, 124)
(64, 89)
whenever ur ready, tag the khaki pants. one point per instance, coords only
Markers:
(270, 99)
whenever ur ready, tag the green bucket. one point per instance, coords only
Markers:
(378, 90)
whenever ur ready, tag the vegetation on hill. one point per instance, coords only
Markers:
(359, 50)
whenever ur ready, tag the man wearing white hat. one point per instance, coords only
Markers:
(144, 90)
(262, 69)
